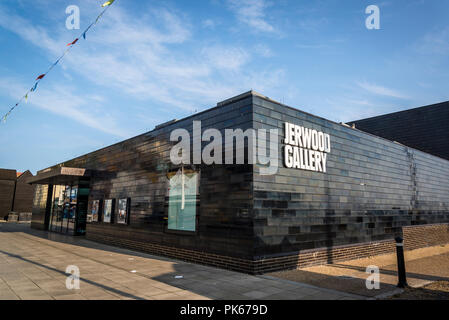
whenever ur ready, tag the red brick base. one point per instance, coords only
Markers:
(425, 236)
(414, 237)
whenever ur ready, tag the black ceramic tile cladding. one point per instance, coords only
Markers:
(424, 128)
(372, 188)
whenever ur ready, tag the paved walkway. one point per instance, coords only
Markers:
(423, 266)
(33, 265)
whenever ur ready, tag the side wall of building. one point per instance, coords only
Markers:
(372, 189)
(7, 185)
(422, 128)
(23, 199)
(137, 169)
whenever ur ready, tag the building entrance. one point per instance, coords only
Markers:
(68, 209)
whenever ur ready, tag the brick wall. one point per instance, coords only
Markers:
(414, 237)
(200, 257)
(425, 236)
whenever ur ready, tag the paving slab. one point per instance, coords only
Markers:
(423, 266)
(33, 265)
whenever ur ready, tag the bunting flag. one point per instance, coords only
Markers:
(34, 87)
(72, 43)
(85, 31)
(107, 3)
(69, 45)
(98, 18)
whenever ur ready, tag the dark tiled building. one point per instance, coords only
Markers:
(23, 197)
(425, 128)
(16, 195)
(7, 185)
(337, 193)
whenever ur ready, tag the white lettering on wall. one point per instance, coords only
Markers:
(305, 148)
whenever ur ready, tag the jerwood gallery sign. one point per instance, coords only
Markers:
(305, 148)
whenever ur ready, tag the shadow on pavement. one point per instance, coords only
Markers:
(122, 293)
(198, 279)
(393, 273)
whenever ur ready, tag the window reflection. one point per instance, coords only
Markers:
(63, 209)
(182, 202)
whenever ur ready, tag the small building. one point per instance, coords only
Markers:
(16, 195)
(251, 185)
(424, 128)
(7, 186)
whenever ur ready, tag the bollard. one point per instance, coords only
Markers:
(402, 278)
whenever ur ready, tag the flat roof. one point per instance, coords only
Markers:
(8, 174)
(443, 104)
(60, 175)
(236, 98)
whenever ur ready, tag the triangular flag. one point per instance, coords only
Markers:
(34, 88)
(98, 18)
(72, 43)
(40, 77)
(6, 116)
(26, 97)
(107, 3)
(88, 28)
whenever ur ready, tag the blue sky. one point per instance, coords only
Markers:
(148, 62)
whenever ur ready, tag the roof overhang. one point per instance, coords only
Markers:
(60, 176)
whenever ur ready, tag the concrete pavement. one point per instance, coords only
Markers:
(423, 266)
(33, 266)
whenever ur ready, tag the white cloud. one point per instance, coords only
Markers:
(61, 100)
(312, 46)
(436, 42)
(252, 13)
(380, 90)
(144, 58)
(263, 50)
(209, 23)
(344, 109)
(227, 58)
(34, 34)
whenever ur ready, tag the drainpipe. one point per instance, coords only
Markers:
(14, 195)
(183, 196)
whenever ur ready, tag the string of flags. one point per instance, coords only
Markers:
(69, 46)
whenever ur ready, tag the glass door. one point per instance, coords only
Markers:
(72, 200)
(57, 208)
(63, 209)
